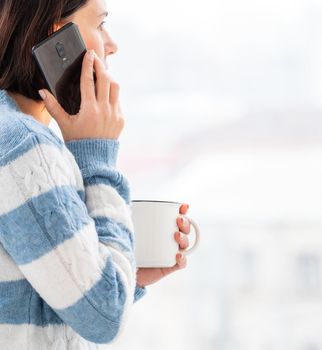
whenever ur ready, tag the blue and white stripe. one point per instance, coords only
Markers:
(66, 240)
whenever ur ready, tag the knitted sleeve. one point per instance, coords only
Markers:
(73, 244)
(84, 152)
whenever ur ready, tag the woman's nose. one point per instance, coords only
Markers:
(110, 47)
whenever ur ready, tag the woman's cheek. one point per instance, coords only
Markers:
(93, 41)
(89, 38)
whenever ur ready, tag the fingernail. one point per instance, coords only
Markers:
(42, 94)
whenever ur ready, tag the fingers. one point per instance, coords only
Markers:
(182, 240)
(184, 208)
(103, 80)
(107, 89)
(114, 92)
(87, 85)
(181, 261)
(54, 108)
(183, 224)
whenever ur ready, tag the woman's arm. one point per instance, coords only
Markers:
(82, 154)
(79, 260)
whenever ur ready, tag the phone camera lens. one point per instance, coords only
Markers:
(60, 49)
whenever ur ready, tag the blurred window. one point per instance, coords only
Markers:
(248, 267)
(308, 275)
(312, 347)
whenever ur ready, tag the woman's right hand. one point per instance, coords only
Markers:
(100, 115)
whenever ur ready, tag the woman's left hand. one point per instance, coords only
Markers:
(146, 276)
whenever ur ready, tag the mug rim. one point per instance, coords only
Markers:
(152, 201)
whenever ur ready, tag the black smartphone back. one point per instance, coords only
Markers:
(59, 58)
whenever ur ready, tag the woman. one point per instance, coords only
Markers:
(68, 276)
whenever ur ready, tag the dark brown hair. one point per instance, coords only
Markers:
(23, 24)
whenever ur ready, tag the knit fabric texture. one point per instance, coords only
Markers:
(67, 263)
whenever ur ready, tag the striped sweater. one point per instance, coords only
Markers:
(67, 268)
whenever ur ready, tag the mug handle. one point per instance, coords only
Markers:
(197, 232)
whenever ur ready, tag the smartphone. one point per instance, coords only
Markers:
(59, 58)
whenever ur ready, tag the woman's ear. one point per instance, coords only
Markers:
(57, 26)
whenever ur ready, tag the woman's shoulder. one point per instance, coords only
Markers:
(40, 129)
(12, 130)
(27, 144)
(16, 124)
(19, 132)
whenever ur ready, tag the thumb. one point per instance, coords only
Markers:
(54, 108)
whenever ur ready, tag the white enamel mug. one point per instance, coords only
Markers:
(155, 223)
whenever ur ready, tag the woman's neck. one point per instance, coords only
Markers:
(34, 108)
